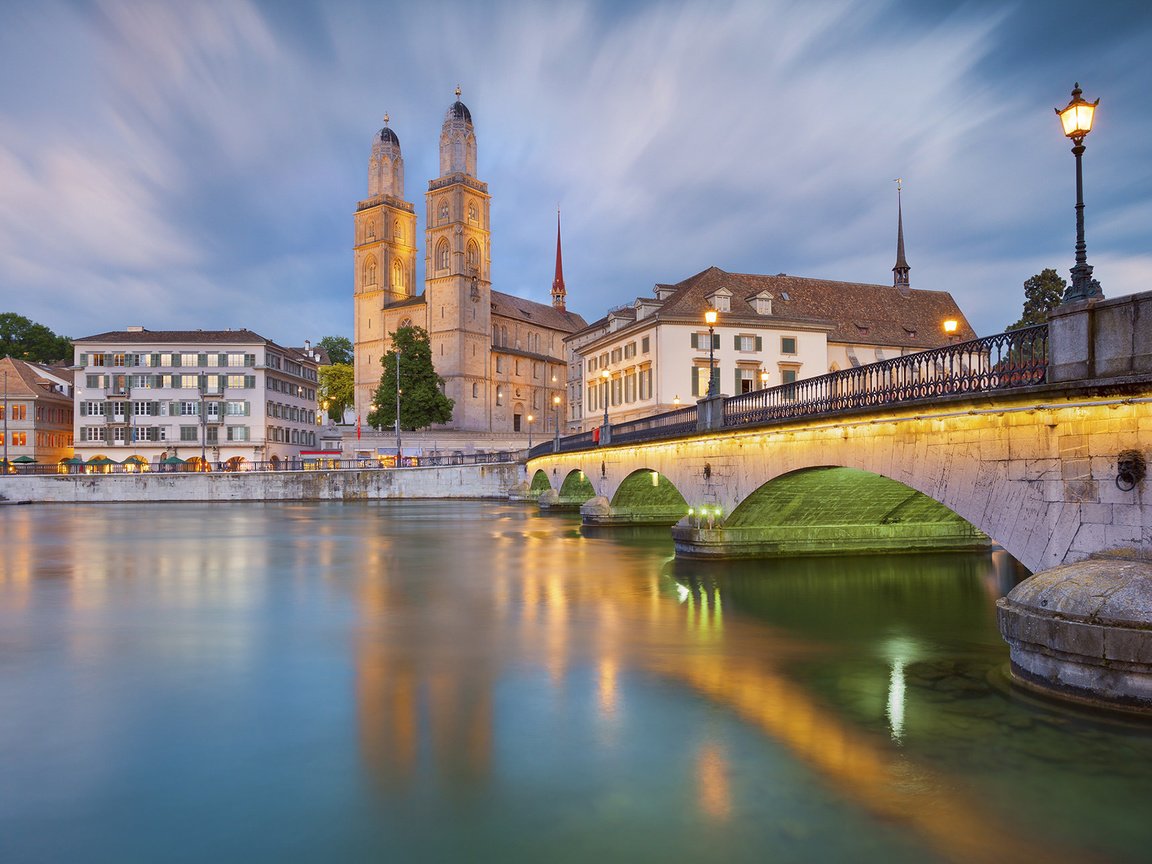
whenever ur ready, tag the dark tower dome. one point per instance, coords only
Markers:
(386, 164)
(457, 141)
(387, 136)
(459, 111)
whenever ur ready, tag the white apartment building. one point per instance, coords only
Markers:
(215, 398)
(654, 355)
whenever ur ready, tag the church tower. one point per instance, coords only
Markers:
(457, 272)
(558, 291)
(384, 260)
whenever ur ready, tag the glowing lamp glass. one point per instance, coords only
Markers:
(950, 326)
(710, 317)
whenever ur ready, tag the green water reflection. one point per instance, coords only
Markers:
(462, 681)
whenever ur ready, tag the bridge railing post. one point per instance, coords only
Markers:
(710, 413)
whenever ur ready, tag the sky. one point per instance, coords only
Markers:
(196, 165)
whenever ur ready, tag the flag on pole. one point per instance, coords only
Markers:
(357, 427)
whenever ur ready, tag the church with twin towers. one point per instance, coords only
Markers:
(502, 357)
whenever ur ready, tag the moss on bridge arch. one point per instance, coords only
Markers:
(539, 483)
(839, 496)
(577, 486)
(638, 491)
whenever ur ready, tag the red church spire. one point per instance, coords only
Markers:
(558, 291)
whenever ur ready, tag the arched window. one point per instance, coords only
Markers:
(397, 276)
(405, 322)
(442, 211)
(442, 255)
(371, 231)
(503, 335)
(370, 271)
(495, 335)
(398, 230)
(473, 256)
(472, 212)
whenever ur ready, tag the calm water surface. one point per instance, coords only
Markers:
(474, 682)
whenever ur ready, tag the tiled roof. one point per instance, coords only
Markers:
(536, 313)
(159, 337)
(23, 382)
(859, 313)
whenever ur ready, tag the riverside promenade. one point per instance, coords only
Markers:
(487, 480)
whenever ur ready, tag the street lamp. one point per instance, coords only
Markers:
(710, 319)
(398, 392)
(763, 379)
(530, 419)
(950, 328)
(607, 377)
(1076, 118)
(556, 418)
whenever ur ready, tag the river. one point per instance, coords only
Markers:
(476, 682)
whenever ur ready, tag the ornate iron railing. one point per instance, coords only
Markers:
(1017, 358)
(668, 425)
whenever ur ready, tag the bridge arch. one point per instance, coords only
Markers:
(540, 483)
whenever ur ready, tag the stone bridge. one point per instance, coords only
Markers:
(1051, 471)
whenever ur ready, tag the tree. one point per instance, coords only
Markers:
(336, 388)
(339, 348)
(27, 340)
(1042, 292)
(422, 402)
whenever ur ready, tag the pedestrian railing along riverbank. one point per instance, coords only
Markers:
(103, 466)
(1017, 358)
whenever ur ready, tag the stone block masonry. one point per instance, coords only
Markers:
(455, 481)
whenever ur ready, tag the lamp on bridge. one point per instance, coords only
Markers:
(556, 418)
(1076, 118)
(710, 319)
(607, 376)
(530, 419)
(763, 379)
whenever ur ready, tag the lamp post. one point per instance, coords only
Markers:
(398, 391)
(763, 379)
(950, 329)
(5, 421)
(530, 419)
(607, 378)
(556, 419)
(710, 319)
(1076, 118)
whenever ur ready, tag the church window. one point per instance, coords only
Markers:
(475, 390)
(442, 255)
(398, 230)
(499, 395)
(473, 256)
(472, 213)
(405, 322)
(499, 364)
(397, 276)
(503, 335)
(442, 211)
(370, 271)
(495, 335)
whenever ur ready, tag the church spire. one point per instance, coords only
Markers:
(900, 271)
(558, 292)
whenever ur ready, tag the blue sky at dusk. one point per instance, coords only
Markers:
(196, 164)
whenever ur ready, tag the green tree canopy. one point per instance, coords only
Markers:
(1042, 292)
(27, 340)
(339, 348)
(422, 402)
(336, 388)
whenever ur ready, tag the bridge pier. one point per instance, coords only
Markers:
(599, 511)
(787, 541)
(1082, 632)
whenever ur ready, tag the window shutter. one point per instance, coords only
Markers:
(83, 359)
(714, 379)
(736, 342)
(715, 340)
(759, 343)
(739, 382)
(695, 382)
(250, 381)
(694, 343)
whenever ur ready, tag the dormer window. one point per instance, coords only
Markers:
(721, 300)
(762, 303)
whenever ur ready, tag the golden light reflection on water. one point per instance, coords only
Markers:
(572, 608)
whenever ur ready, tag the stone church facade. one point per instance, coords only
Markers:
(502, 357)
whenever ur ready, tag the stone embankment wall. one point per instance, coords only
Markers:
(457, 481)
